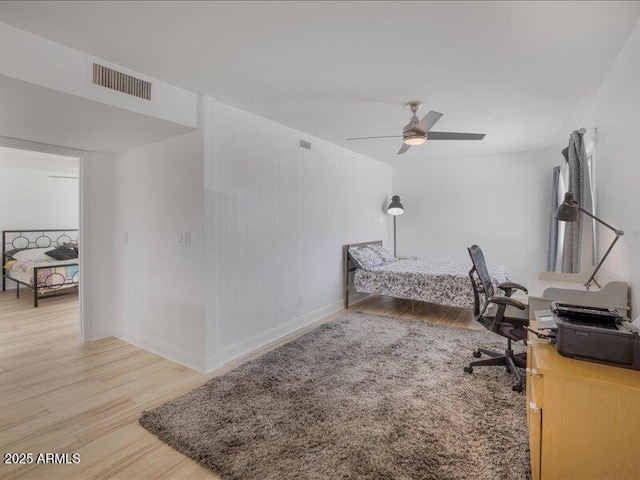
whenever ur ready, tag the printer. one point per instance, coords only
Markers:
(595, 334)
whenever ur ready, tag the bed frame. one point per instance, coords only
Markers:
(349, 267)
(40, 239)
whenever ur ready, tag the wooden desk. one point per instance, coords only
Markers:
(584, 418)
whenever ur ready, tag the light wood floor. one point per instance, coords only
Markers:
(60, 396)
(438, 314)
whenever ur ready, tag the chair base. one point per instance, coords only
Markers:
(508, 359)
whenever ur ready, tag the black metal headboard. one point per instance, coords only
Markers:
(349, 266)
(44, 238)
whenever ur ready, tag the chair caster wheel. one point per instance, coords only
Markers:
(508, 370)
(517, 388)
(476, 353)
(468, 369)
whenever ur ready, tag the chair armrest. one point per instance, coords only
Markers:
(507, 301)
(509, 287)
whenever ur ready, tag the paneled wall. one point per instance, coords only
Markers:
(276, 217)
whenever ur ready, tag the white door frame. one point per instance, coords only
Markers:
(83, 194)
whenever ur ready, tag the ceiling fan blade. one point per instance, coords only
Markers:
(369, 138)
(429, 120)
(404, 148)
(454, 136)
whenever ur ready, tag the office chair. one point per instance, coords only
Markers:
(502, 315)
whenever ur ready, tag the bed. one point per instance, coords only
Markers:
(433, 282)
(26, 262)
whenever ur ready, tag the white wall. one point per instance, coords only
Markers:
(158, 285)
(276, 218)
(30, 198)
(501, 203)
(97, 247)
(615, 112)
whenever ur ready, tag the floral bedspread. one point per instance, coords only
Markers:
(433, 282)
(52, 277)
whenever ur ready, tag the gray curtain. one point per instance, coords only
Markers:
(553, 227)
(576, 156)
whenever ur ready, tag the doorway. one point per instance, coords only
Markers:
(41, 218)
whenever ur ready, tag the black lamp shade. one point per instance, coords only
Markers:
(568, 210)
(395, 207)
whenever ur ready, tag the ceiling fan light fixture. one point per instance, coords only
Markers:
(417, 131)
(414, 139)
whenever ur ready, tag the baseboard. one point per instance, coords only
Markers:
(244, 348)
(97, 333)
(178, 355)
(357, 298)
(263, 340)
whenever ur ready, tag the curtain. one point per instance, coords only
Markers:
(576, 157)
(552, 257)
(572, 243)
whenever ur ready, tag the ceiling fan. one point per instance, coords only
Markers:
(416, 132)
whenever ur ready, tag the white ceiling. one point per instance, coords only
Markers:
(39, 114)
(513, 70)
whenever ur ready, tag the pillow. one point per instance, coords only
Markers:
(33, 255)
(385, 255)
(63, 253)
(365, 257)
(12, 253)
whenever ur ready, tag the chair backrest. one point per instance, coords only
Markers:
(480, 281)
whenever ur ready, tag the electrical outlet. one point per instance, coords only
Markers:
(300, 300)
(184, 239)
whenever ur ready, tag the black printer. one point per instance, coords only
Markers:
(596, 334)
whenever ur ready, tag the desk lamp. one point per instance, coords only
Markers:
(569, 211)
(395, 208)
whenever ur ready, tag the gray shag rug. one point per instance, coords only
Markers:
(362, 397)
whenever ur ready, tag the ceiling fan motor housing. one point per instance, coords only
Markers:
(416, 131)
(411, 134)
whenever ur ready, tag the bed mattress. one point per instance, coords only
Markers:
(23, 277)
(58, 274)
(433, 282)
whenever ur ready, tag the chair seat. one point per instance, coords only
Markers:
(514, 332)
(514, 329)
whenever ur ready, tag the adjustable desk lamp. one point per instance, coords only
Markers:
(395, 208)
(569, 211)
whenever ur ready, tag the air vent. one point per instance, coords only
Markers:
(110, 78)
(305, 144)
